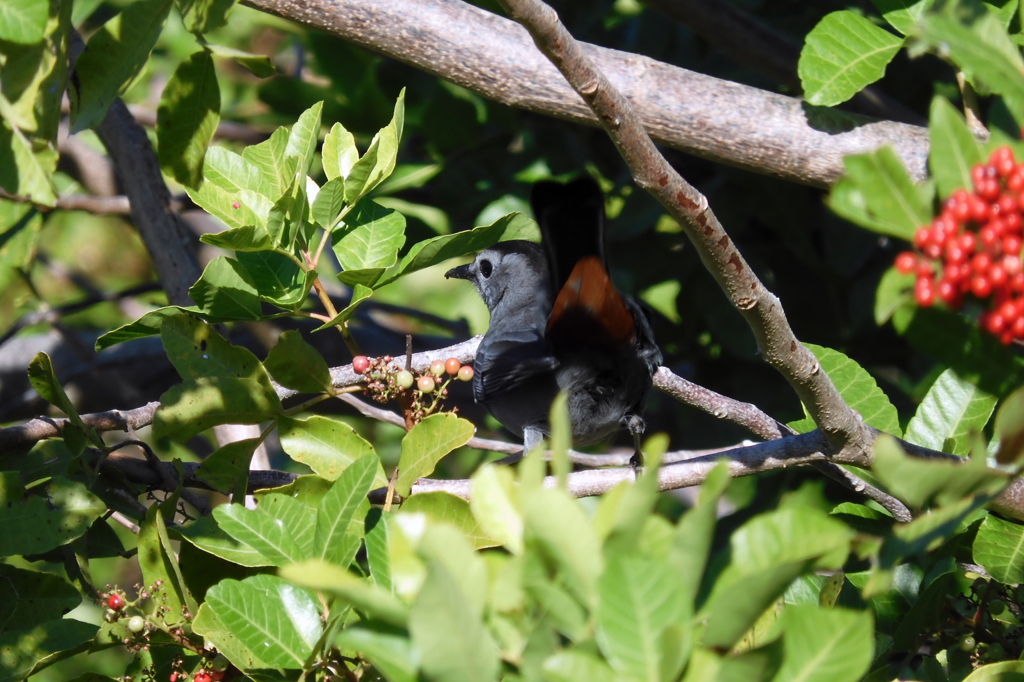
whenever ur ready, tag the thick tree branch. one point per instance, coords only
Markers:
(719, 120)
(761, 309)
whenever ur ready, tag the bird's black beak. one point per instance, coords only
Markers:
(461, 272)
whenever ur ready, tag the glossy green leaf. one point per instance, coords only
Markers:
(556, 526)
(352, 590)
(297, 365)
(206, 534)
(328, 202)
(187, 118)
(337, 537)
(903, 15)
(441, 507)
(878, 194)
(425, 445)
(34, 524)
(31, 597)
(19, 234)
(825, 645)
(950, 413)
(379, 160)
(1009, 428)
(842, 55)
(371, 238)
(227, 291)
(25, 651)
(286, 222)
(494, 508)
(147, 325)
(999, 548)
(277, 279)
(953, 150)
(209, 625)
(339, 154)
(197, 404)
(227, 467)
(303, 138)
(115, 55)
(281, 528)
(270, 616)
(894, 290)
(858, 389)
(249, 238)
(377, 537)
(327, 446)
(159, 563)
(197, 351)
(44, 379)
(24, 21)
(639, 599)
(439, 249)
(29, 167)
(234, 189)
(691, 542)
(569, 665)
(388, 649)
(1003, 671)
(275, 167)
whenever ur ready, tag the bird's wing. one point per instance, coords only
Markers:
(508, 359)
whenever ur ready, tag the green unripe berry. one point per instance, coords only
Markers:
(968, 643)
(136, 624)
(437, 367)
(426, 384)
(997, 607)
(404, 379)
(220, 663)
(465, 373)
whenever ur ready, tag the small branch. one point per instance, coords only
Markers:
(971, 108)
(899, 511)
(114, 205)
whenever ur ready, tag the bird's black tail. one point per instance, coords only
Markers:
(571, 218)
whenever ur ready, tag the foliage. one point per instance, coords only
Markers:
(777, 579)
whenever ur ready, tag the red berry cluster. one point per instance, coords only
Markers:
(385, 381)
(973, 248)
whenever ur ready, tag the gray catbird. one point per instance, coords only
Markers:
(557, 322)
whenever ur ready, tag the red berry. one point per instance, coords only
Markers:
(988, 235)
(933, 250)
(425, 384)
(1012, 245)
(1002, 160)
(981, 262)
(954, 252)
(452, 366)
(981, 286)
(989, 189)
(906, 262)
(979, 209)
(360, 364)
(922, 237)
(1006, 338)
(968, 242)
(925, 269)
(1017, 282)
(1013, 222)
(995, 323)
(465, 373)
(978, 174)
(1006, 204)
(217, 675)
(115, 601)
(924, 292)
(997, 276)
(437, 367)
(173, 677)
(202, 676)
(1017, 329)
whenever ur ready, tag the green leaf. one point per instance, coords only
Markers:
(197, 351)
(19, 233)
(249, 238)
(439, 249)
(114, 57)
(953, 150)
(877, 193)
(493, 505)
(281, 529)
(25, 651)
(662, 297)
(1003, 671)
(903, 15)
(449, 632)
(234, 189)
(34, 524)
(377, 536)
(359, 294)
(44, 379)
(895, 289)
(1009, 428)
(357, 592)
(842, 55)
(858, 389)
(227, 467)
(269, 616)
(556, 526)
(209, 625)
(371, 238)
(328, 202)
(297, 365)
(326, 445)
(28, 167)
(24, 21)
(379, 161)
(337, 537)
(639, 599)
(339, 154)
(569, 665)
(147, 325)
(917, 480)
(31, 598)
(951, 412)
(388, 649)
(425, 445)
(691, 542)
(302, 139)
(276, 168)
(278, 279)
(441, 507)
(206, 534)
(825, 645)
(203, 16)
(158, 562)
(187, 118)
(286, 222)
(258, 65)
(985, 53)
(197, 404)
(227, 291)
(999, 548)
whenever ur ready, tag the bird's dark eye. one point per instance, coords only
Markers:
(486, 268)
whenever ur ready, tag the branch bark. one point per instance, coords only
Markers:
(718, 120)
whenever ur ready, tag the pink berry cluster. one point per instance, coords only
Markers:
(385, 382)
(973, 248)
